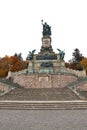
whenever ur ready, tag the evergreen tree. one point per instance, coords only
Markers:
(77, 56)
(19, 56)
(74, 63)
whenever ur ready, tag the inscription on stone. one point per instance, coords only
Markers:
(46, 42)
(47, 64)
(46, 57)
(43, 78)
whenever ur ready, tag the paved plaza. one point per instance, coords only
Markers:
(43, 119)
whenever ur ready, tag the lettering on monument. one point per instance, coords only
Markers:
(43, 78)
(46, 57)
(46, 42)
(46, 64)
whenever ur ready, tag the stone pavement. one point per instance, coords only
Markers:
(43, 120)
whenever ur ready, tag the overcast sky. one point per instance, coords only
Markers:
(21, 29)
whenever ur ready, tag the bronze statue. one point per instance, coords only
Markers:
(46, 29)
(30, 55)
(61, 53)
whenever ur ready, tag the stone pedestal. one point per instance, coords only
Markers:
(30, 67)
(46, 61)
(46, 45)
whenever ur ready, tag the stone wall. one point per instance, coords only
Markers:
(44, 80)
(4, 88)
(76, 72)
(63, 70)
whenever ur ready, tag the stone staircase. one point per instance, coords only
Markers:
(43, 105)
(6, 86)
(42, 98)
(40, 94)
(74, 87)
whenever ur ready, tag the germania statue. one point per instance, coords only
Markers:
(46, 29)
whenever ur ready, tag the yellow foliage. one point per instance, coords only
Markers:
(83, 62)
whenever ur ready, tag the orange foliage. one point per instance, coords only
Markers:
(83, 62)
(74, 66)
(12, 63)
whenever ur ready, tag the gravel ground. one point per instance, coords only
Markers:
(43, 119)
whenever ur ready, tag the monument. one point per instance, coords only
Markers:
(46, 61)
(47, 68)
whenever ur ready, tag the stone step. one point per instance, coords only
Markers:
(40, 94)
(43, 105)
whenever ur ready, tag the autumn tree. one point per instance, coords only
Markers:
(74, 63)
(4, 67)
(17, 64)
(13, 63)
(83, 63)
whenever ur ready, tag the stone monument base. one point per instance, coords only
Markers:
(44, 80)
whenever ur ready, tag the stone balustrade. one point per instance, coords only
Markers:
(64, 71)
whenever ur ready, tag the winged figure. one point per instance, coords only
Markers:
(30, 55)
(61, 53)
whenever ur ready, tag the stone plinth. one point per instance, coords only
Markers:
(44, 80)
(46, 61)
